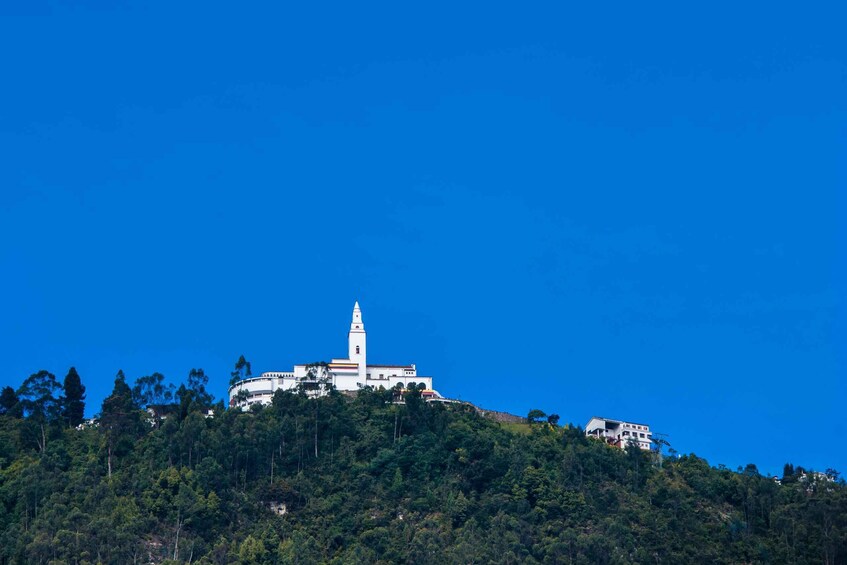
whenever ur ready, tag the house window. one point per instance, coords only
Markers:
(357, 350)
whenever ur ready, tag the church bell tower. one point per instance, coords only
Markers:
(356, 340)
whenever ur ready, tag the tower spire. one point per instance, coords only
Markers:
(357, 323)
(357, 341)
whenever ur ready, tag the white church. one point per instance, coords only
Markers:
(351, 373)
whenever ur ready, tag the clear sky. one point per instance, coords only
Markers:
(630, 210)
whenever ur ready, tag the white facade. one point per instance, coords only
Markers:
(351, 373)
(619, 433)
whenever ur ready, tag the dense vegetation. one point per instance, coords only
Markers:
(364, 480)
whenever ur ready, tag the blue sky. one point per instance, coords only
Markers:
(634, 211)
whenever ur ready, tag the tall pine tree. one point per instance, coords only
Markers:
(73, 405)
(120, 419)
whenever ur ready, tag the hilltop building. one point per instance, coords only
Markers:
(619, 433)
(350, 373)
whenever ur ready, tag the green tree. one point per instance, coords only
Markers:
(659, 443)
(197, 382)
(241, 396)
(788, 472)
(318, 379)
(534, 415)
(242, 371)
(120, 419)
(37, 395)
(73, 399)
(151, 390)
(251, 551)
(39, 404)
(9, 402)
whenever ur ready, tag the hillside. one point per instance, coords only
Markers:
(362, 480)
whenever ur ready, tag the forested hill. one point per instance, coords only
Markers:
(363, 480)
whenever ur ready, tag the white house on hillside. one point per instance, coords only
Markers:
(350, 373)
(619, 433)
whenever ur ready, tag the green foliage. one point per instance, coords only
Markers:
(37, 396)
(9, 403)
(242, 371)
(341, 479)
(72, 401)
(37, 400)
(151, 390)
(120, 421)
(534, 415)
(199, 397)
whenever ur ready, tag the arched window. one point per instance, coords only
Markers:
(357, 350)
